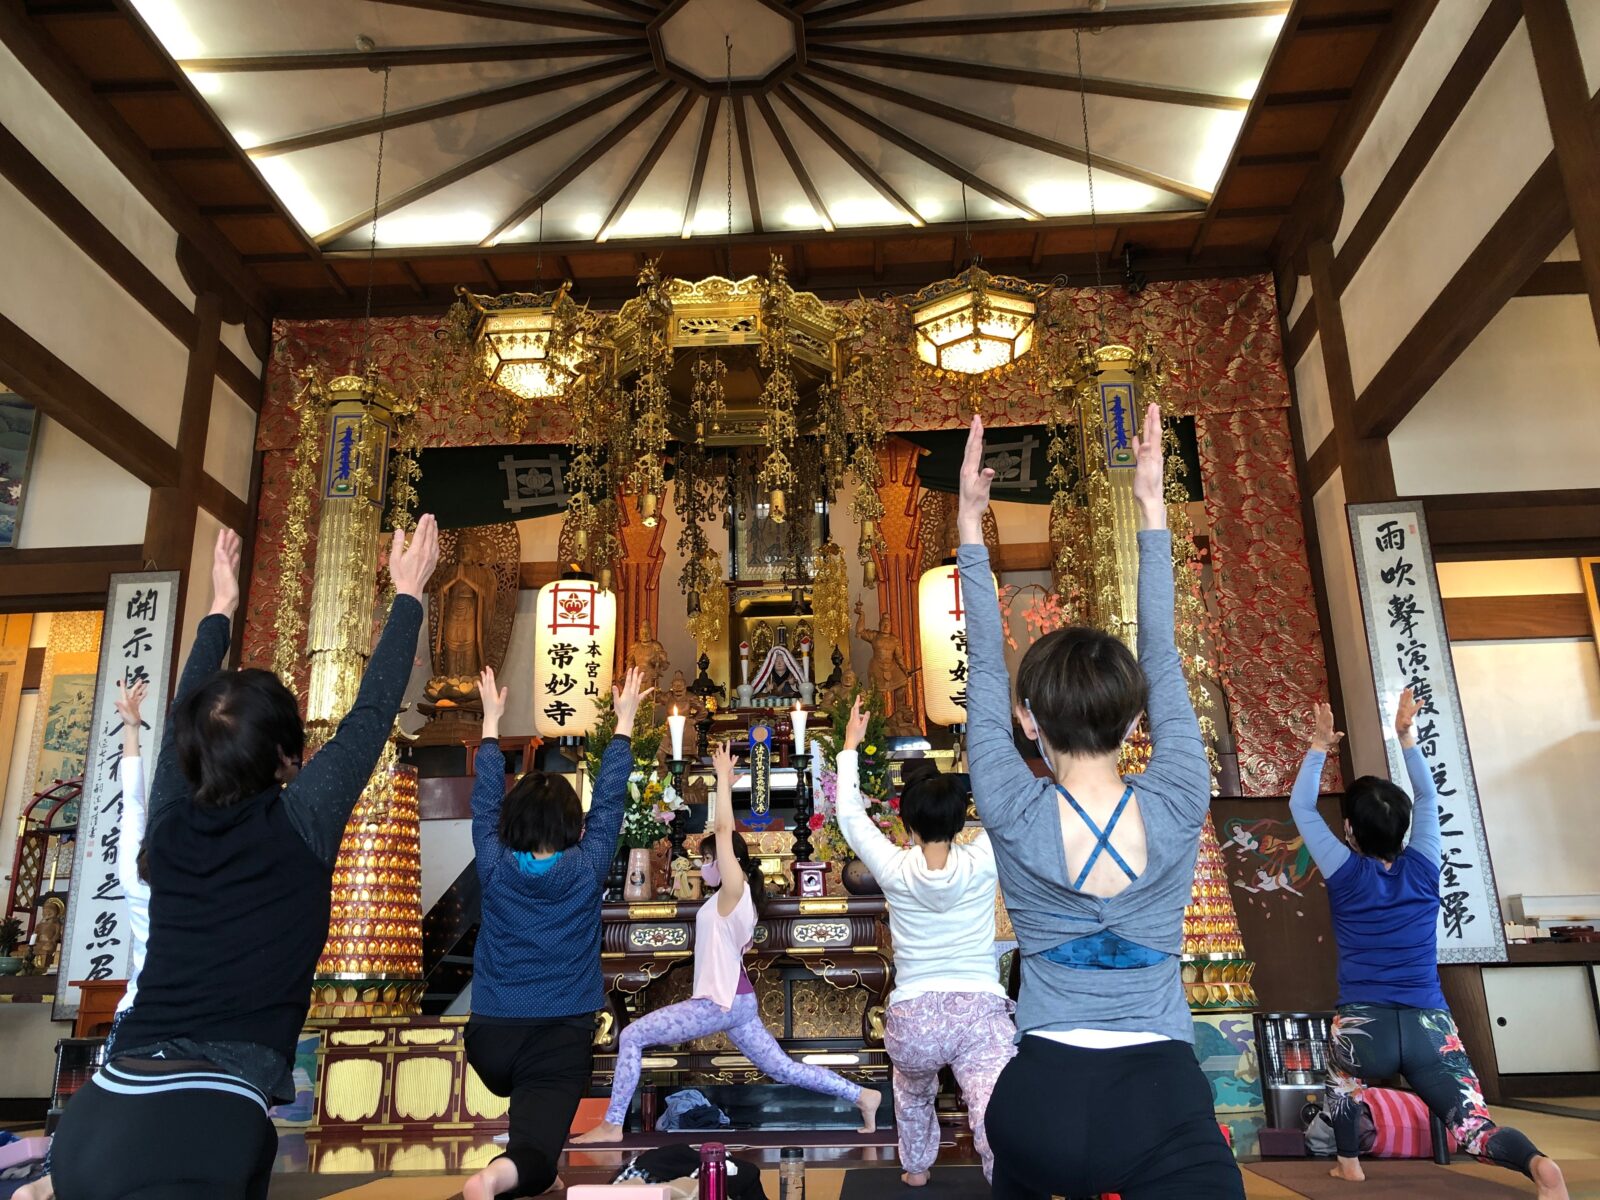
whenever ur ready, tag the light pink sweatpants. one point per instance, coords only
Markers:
(969, 1032)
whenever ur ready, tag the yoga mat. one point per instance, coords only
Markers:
(315, 1187)
(1389, 1181)
(755, 1138)
(945, 1183)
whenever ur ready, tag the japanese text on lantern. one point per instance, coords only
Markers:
(1410, 648)
(575, 632)
(942, 634)
(135, 646)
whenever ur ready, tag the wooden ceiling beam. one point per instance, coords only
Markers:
(647, 164)
(842, 148)
(1010, 133)
(582, 162)
(1045, 22)
(629, 8)
(494, 154)
(454, 106)
(930, 65)
(796, 164)
(752, 196)
(913, 147)
(424, 56)
(702, 155)
(849, 12)
(489, 273)
(491, 11)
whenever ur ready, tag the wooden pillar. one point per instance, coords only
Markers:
(899, 564)
(169, 527)
(1363, 462)
(1566, 104)
(638, 583)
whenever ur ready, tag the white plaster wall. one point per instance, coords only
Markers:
(1302, 297)
(1311, 396)
(1510, 577)
(78, 497)
(1348, 630)
(446, 850)
(233, 337)
(55, 140)
(1567, 251)
(1586, 25)
(28, 1050)
(1498, 141)
(230, 440)
(197, 601)
(1532, 711)
(1518, 410)
(68, 304)
(1414, 86)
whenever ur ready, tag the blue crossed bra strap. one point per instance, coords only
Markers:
(1102, 837)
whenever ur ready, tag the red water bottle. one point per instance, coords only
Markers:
(713, 1171)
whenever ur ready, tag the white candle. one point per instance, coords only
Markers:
(675, 723)
(744, 663)
(797, 718)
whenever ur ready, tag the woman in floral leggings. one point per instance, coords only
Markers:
(1392, 1017)
(724, 1000)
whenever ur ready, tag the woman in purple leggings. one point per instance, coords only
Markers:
(724, 1000)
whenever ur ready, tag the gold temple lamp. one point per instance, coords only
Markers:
(526, 342)
(974, 323)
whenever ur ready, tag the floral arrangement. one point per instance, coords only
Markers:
(652, 803)
(873, 761)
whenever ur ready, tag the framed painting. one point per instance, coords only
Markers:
(19, 422)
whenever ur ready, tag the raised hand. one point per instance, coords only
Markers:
(1405, 719)
(722, 763)
(855, 728)
(225, 573)
(975, 481)
(1323, 735)
(1149, 481)
(493, 700)
(411, 563)
(128, 701)
(625, 700)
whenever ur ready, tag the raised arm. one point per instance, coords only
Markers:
(598, 846)
(489, 780)
(731, 890)
(131, 835)
(1424, 792)
(1006, 780)
(1178, 752)
(319, 801)
(865, 838)
(206, 655)
(1327, 850)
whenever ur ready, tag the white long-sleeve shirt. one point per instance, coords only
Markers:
(135, 889)
(942, 920)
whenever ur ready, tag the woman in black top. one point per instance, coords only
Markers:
(241, 844)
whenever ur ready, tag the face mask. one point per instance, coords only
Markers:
(710, 873)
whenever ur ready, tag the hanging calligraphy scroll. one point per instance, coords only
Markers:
(760, 777)
(1410, 648)
(136, 644)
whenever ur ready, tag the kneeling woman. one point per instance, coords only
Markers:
(723, 1000)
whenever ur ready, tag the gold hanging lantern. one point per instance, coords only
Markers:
(974, 323)
(527, 343)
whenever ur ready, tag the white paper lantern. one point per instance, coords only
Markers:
(575, 637)
(942, 626)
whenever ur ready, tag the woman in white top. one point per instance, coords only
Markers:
(947, 1007)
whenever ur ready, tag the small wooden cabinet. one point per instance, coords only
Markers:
(1543, 1018)
(97, 1006)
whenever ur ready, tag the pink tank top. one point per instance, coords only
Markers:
(719, 946)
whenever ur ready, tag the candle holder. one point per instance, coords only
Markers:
(703, 685)
(803, 808)
(837, 658)
(678, 830)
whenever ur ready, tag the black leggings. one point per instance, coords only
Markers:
(162, 1145)
(1137, 1121)
(545, 1068)
(1374, 1043)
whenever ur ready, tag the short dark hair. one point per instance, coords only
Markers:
(233, 733)
(541, 813)
(1379, 814)
(932, 805)
(750, 867)
(1084, 688)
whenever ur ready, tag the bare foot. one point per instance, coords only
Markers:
(868, 1103)
(556, 1188)
(1349, 1170)
(43, 1189)
(914, 1178)
(1548, 1176)
(601, 1133)
(499, 1176)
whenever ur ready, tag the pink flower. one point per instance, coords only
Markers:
(817, 821)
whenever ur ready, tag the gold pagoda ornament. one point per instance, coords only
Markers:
(974, 323)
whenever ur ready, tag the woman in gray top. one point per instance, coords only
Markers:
(1096, 871)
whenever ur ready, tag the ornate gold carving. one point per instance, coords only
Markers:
(819, 932)
(356, 1037)
(824, 908)
(875, 1022)
(423, 1086)
(658, 937)
(426, 1037)
(652, 912)
(352, 1088)
(480, 1101)
(821, 1011)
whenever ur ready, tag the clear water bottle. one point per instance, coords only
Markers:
(792, 1174)
(713, 1171)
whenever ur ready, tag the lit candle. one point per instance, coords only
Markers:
(675, 723)
(797, 718)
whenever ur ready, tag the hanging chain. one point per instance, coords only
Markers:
(372, 240)
(728, 126)
(966, 222)
(1088, 162)
(538, 262)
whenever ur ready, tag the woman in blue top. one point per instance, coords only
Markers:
(1104, 1094)
(536, 968)
(1392, 1017)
